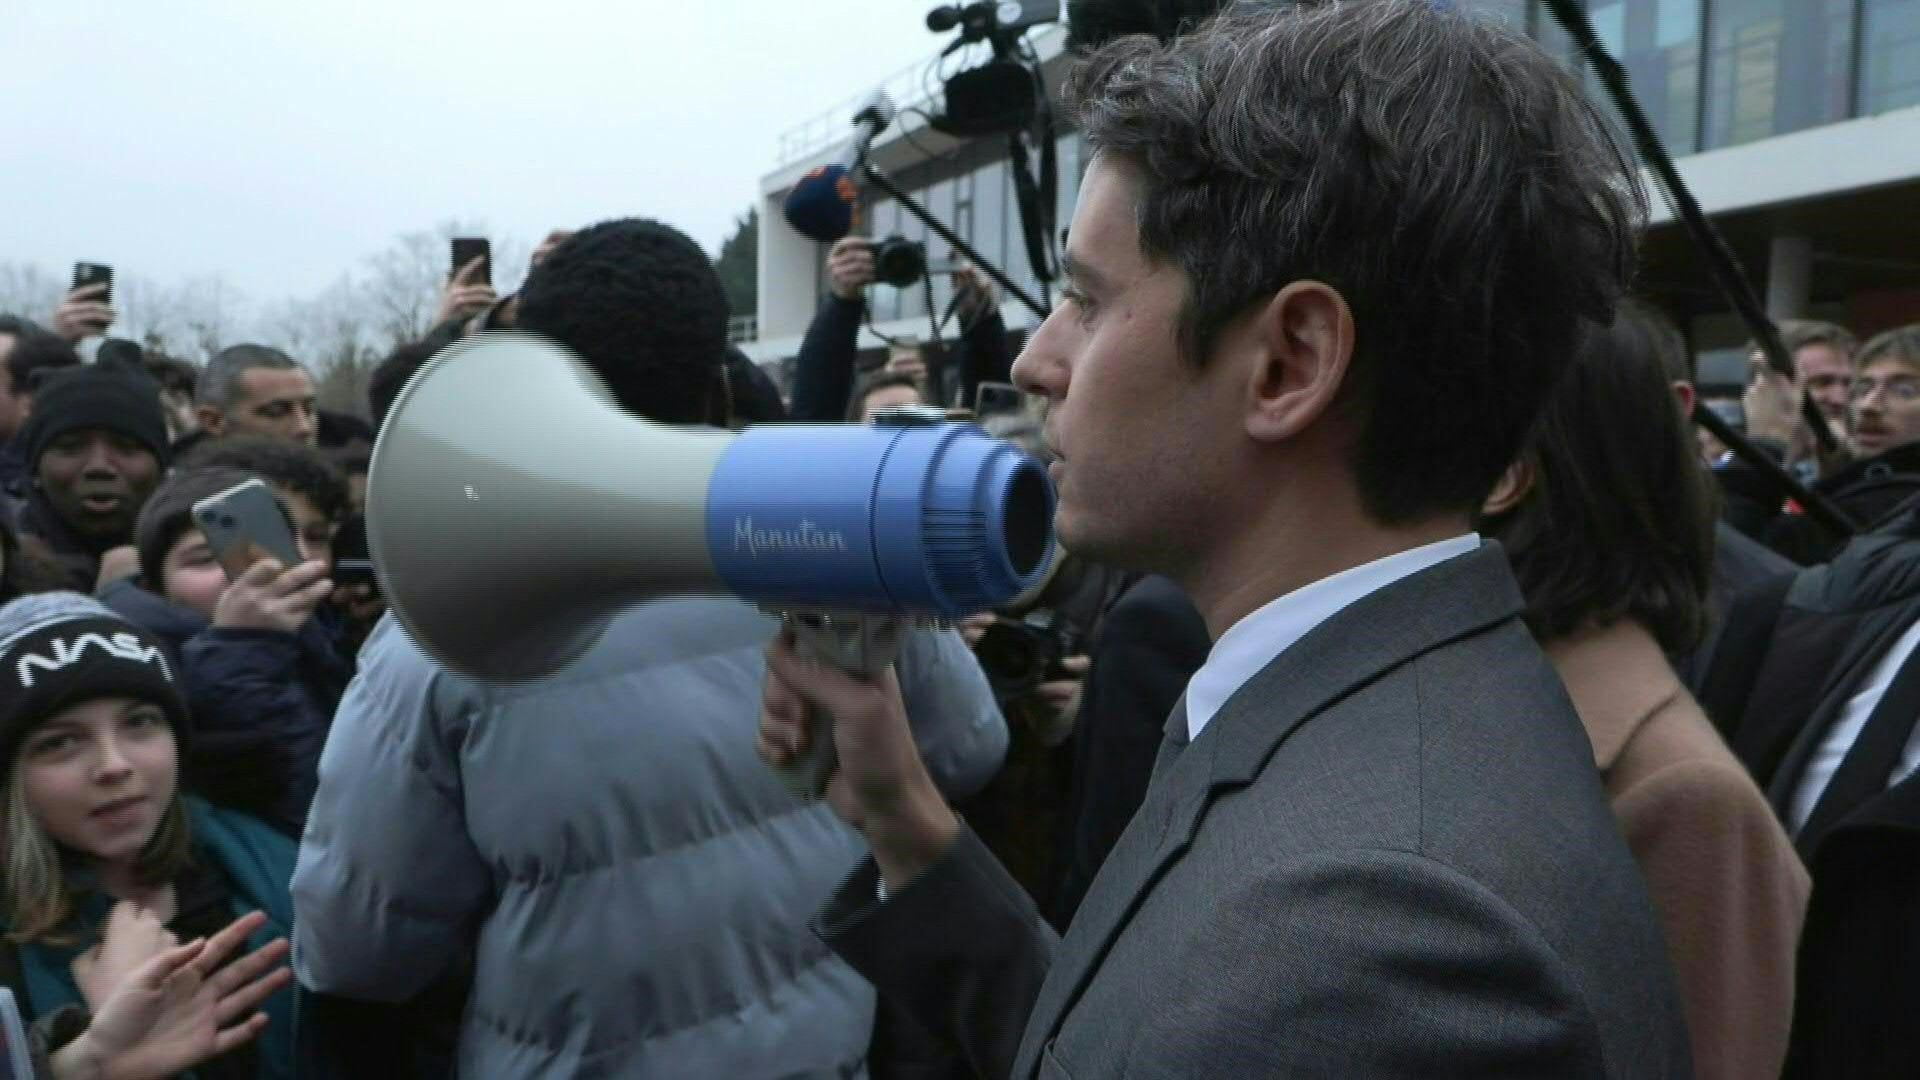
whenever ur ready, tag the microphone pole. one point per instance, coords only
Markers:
(879, 179)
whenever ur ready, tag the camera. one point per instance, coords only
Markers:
(1020, 654)
(899, 262)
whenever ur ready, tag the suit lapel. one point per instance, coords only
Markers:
(1841, 683)
(1174, 741)
(1372, 636)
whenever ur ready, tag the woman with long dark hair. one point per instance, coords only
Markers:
(1608, 520)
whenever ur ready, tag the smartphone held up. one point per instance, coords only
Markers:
(245, 524)
(468, 248)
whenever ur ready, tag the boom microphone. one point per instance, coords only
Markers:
(824, 205)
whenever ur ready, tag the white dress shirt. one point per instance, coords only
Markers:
(1252, 643)
(1846, 731)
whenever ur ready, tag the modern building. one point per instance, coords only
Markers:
(1795, 123)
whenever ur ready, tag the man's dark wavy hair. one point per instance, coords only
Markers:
(1445, 175)
(294, 465)
(640, 303)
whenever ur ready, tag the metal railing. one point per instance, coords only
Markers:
(907, 87)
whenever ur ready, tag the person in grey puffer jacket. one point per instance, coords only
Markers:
(627, 882)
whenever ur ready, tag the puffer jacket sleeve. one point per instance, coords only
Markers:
(962, 736)
(389, 885)
(257, 728)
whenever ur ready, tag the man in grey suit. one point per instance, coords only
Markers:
(1326, 264)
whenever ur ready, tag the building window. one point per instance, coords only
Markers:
(881, 300)
(1775, 66)
(1658, 42)
(1890, 69)
(989, 212)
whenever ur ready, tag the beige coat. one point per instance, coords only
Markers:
(1725, 879)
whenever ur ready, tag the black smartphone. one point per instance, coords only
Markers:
(86, 273)
(468, 248)
(352, 562)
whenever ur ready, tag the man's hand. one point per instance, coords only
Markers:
(975, 626)
(116, 563)
(554, 239)
(1062, 698)
(1773, 411)
(908, 362)
(175, 1010)
(83, 312)
(881, 786)
(268, 597)
(850, 267)
(974, 294)
(131, 937)
(465, 295)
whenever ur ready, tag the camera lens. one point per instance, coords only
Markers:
(899, 262)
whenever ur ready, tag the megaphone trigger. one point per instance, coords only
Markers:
(860, 645)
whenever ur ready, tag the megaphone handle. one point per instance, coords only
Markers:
(807, 774)
(860, 645)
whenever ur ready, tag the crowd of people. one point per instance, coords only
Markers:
(1413, 692)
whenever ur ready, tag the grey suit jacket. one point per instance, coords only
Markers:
(1388, 855)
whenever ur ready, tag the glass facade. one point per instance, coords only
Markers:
(1716, 73)
(1889, 55)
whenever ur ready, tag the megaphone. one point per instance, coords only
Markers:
(513, 508)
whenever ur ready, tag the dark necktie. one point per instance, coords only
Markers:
(1870, 761)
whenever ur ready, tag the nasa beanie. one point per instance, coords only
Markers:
(60, 649)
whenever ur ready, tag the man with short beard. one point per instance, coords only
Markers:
(95, 447)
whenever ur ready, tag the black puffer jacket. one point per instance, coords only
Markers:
(261, 701)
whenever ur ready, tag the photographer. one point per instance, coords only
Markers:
(824, 370)
(1034, 652)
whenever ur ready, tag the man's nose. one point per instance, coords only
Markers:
(1041, 367)
(99, 461)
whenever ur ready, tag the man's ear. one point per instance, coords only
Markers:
(1304, 342)
(212, 420)
(1514, 486)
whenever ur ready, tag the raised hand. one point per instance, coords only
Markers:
(83, 312)
(268, 597)
(175, 1010)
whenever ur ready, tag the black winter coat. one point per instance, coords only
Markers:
(1858, 977)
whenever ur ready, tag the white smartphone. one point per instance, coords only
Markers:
(245, 524)
(19, 1064)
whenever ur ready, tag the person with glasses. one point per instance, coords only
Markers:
(1884, 411)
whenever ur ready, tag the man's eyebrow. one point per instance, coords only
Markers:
(1082, 275)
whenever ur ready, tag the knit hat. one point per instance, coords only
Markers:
(113, 397)
(168, 514)
(60, 649)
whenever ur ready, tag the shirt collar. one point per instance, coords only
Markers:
(1252, 643)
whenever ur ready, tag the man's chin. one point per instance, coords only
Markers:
(111, 525)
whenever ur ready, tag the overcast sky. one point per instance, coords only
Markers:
(279, 144)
